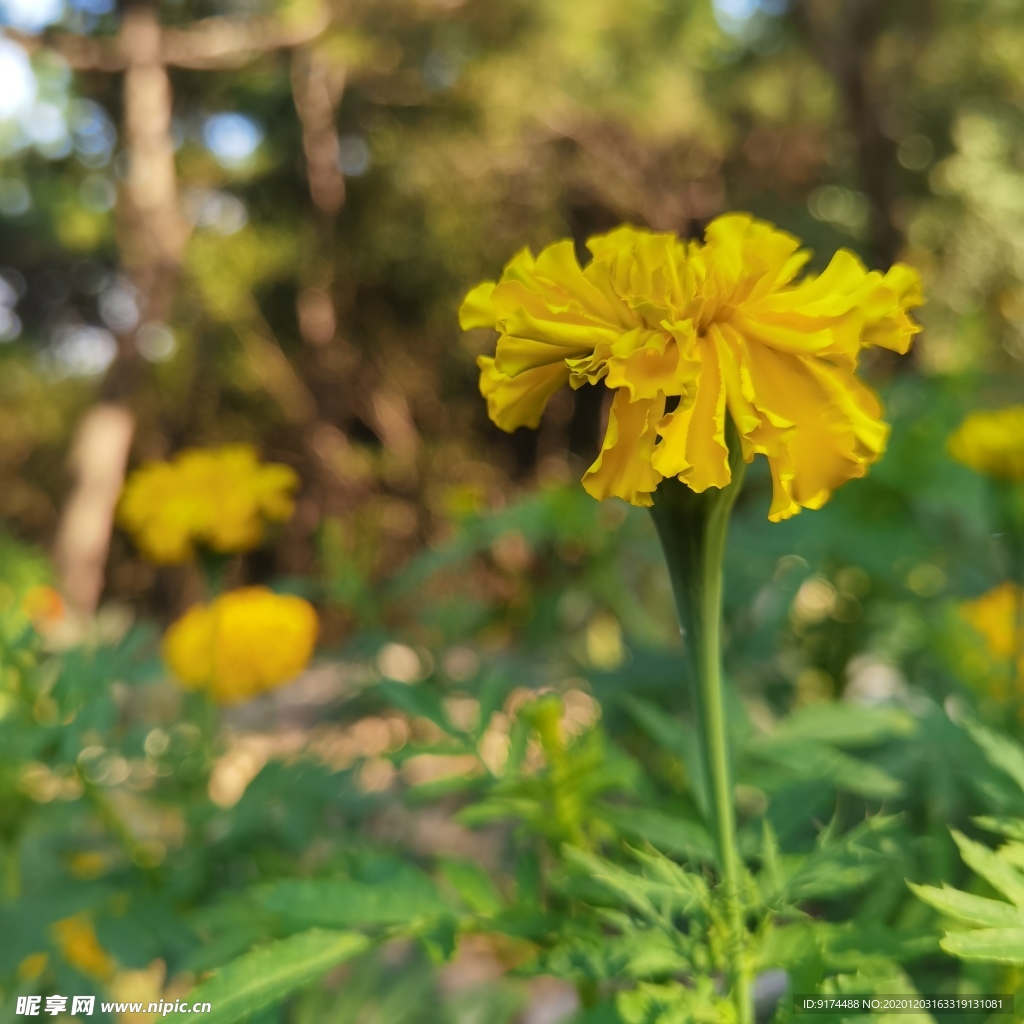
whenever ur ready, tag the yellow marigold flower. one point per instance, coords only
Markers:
(76, 939)
(992, 442)
(687, 334)
(998, 616)
(218, 498)
(244, 643)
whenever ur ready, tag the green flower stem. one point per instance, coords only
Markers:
(214, 569)
(692, 528)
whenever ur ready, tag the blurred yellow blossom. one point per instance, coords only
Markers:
(688, 334)
(32, 966)
(992, 442)
(87, 864)
(76, 939)
(44, 607)
(998, 617)
(244, 643)
(218, 498)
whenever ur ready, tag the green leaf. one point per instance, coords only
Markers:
(806, 759)
(671, 834)
(473, 885)
(266, 975)
(1001, 751)
(968, 909)
(996, 945)
(771, 878)
(838, 865)
(1012, 828)
(676, 737)
(996, 871)
(673, 890)
(341, 903)
(603, 1013)
(420, 701)
(845, 725)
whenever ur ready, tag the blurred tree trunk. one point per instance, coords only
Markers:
(151, 235)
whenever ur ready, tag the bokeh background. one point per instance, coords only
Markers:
(241, 220)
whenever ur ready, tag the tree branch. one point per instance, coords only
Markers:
(210, 44)
(226, 42)
(81, 52)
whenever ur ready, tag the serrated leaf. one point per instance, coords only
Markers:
(850, 945)
(995, 945)
(473, 885)
(1000, 750)
(968, 909)
(845, 725)
(805, 759)
(331, 903)
(838, 865)
(771, 865)
(677, 892)
(997, 872)
(1012, 828)
(267, 975)
(666, 832)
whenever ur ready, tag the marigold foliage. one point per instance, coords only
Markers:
(244, 643)
(218, 498)
(687, 334)
(992, 442)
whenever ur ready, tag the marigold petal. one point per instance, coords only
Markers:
(519, 401)
(558, 264)
(835, 431)
(693, 446)
(534, 342)
(623, 469)
(477, 309)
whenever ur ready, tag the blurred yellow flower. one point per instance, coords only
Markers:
(33, 966)
(76, 939)
(244, 643)
(992, 442)
(998, 617)
(44, 607)
(87, 864)
(218, 498)
(687, 334)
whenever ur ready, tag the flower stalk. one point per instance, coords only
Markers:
(692, 528)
